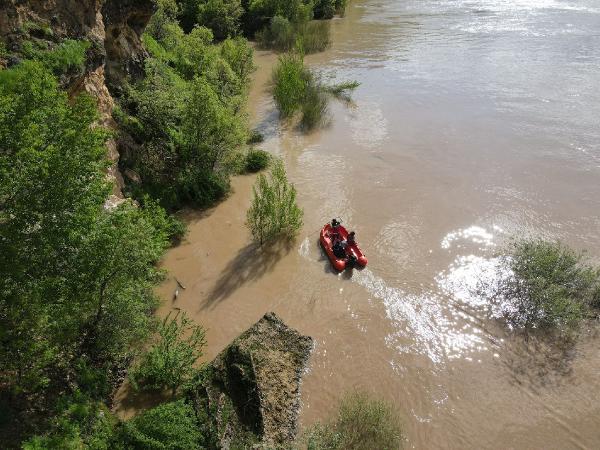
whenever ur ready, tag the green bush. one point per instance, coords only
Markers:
(260, 12)
(169, 363)
(314, 105)
(282, 35)
(290, 78)
(362, 423)
(256, 137)
(187, 115)
(296, 88)
(274, 211)
(326, 9)
(257, 160)
(170, 426)
(68, 56)
(315, 36)
(78, 423)
(279, 35)
(550, 287)
(221, 16)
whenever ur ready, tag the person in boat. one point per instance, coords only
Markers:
(335, 230)
(339, 248)
(351, 238)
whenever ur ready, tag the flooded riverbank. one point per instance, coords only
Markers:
(475, 121)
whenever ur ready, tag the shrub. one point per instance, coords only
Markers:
(221, 16)
(68, 56)
(256, 137)
(296, 88)
(170, 426)
(260, 12)
(169, 363)
(257, 160)
(314, 105)
(289, 79)
(550, 286)
(282, 35)
(274, 211)
(78, 423)
(326, 9)
(361, 423)
(279, 35)
(315, 36)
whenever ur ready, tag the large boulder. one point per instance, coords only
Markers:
(250, 393)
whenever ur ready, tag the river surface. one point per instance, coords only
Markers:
(475, 121)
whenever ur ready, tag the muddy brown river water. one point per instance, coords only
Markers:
(475, 121)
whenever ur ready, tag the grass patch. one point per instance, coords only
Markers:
(361, 423)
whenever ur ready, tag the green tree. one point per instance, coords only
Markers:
(221, 16)
(210, 129)
(274, 211)
(76, 279)
(169, 363)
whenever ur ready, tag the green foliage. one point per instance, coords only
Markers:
(342, 90)
(68, 56)
(79, 423)
(238, 53)
(256, 137)
(314, 36)
(169, 363)
(283, 35)
(314, 105)
(170, 426)
(296, 88)
(290, 78)
(3, 50)
(76, 279)
(221, 16)
(361, 423)
(326, 9)
(260, 12)
(187, 114)
(274, 212)
(257, 160)
(551, 287)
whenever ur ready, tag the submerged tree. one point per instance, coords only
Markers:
(550, 287)
(274, 211)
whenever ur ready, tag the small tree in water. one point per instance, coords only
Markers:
(551, 286)
(274, 211)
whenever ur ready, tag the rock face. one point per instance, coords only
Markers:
(113, 27)
(251, 391)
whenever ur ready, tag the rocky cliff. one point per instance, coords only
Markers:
(113, 27)
(250, 393)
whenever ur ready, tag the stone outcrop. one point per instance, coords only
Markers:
(250, 393)
(113, 27)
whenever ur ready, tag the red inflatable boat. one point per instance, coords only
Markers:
(340, 258)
